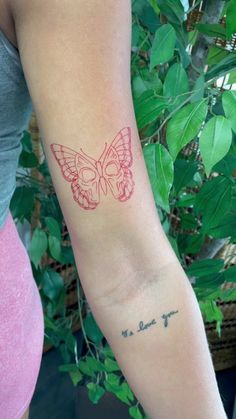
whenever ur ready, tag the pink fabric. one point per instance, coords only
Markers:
(21, 325)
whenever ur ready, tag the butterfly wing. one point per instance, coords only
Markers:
(116, 165)
(86, 193)
(82, 174)
(122, 145)
(66, 158)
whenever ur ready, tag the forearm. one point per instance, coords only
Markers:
(165, 360)
(76, 60)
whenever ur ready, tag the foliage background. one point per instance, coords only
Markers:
(187, 125)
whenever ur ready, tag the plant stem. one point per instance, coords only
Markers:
(81, 319)
(171, 114)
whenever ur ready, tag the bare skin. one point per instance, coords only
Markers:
(79, 81)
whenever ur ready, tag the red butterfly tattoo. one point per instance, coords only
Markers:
(89, 177)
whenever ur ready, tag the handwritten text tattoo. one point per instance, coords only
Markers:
(144, 326)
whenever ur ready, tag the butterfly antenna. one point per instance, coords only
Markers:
(90, 159)
(103, 153)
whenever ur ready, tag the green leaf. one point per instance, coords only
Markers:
(223, 67)
(184, 126)
(117, 392)
(226, 227)
(184, 171)
(204, 267)
(232, 77)
(135, 35)
(148, 107)
(28, 160)
(127, 390)
(146, 80)
(213, 30)
(53, 284)
(22, 202)
(210, 311)
(54, 247)
(230, 274)
(137, 6)
(190, 243)
(198, 88)
(122, 395)
(212, 201)
(185, 200)
(73, 371)
(172, 9)
(229, 105)
(163, 45)
(228, 294)
(135, 412)
(76, 377)
(26, 142)
(68, 368)
(49, 324)
(94, 364)
(113, 388)
(67, 255)
(160, 169)
(122, 392)
(86, 369)
(151, 79)
(153, 3)
(113, 379)
(231, 18)
(111, 365)
(215, 141)
(149, 18)
(95, 392)
(107, 351)
(175, 85)
(210, 281)
(138, 87)
(53, 227)
(216, 55)
(226, 165)
(188, 221)
(68, 336)
(92, 330)
(38, 246)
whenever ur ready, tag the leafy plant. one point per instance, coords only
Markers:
(187, 125)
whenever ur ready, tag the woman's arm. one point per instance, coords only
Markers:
(76, 59)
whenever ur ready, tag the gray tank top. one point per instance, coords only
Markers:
(15, 112)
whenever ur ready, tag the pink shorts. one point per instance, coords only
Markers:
(21, 325)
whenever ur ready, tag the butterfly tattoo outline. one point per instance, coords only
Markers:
(90, 177)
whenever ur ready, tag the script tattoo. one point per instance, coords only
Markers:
(167, 316)
(88, 177)
(144, 326)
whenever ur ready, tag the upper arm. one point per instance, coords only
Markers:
(76, 60)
